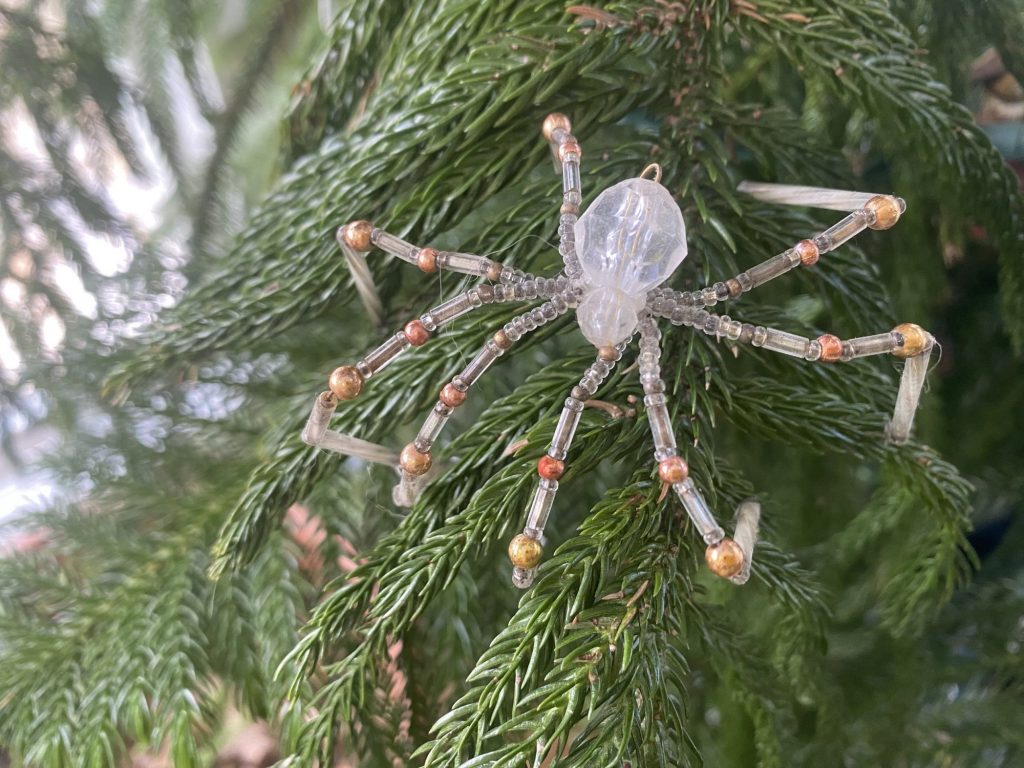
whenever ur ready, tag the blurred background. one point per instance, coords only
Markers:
(135, 138)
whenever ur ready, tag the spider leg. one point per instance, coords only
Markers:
(868, 211)
(416, 458)
(728, 558)
(558, 131)
(358, 237)
(347, 381)
(907, 341)
(525, 549)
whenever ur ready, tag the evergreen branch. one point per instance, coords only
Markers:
(334, 90)
(132, 648)
(228, 122)
(878, 70)
(932, 563)
(285, 270)
(624, 554)
(84, 42)
(181, 27)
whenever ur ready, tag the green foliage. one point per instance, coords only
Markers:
(138, 646)
(424, 120)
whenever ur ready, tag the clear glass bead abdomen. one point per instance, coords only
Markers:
(629, 240)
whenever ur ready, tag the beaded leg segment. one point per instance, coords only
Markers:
(347, 381)
(725, 557)
(627, 243)
(415, 459)
(525, 550)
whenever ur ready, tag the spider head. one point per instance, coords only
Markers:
(630, 240)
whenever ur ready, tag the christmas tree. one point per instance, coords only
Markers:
(205, 561)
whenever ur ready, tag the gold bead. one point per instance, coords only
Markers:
(524, 552)
(426, 259)
(831, 348)
(346, 382)
(735, 289)
(887, 210)
(357, 235)
(414, 461)
(808, 252)
(673, 470)
(725, 558)
(494, 271)
(555, 122)
(916, 340)
(501, 340)
(608, 353)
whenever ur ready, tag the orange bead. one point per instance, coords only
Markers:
(414, 461)
(451, 396)
(550, 468)
(725, 558)
(831, 348)
(525, 552)
(915, 340)
(357, 235)
(887, 210)
(567, 148)
(426, 259)
(416, 333)
(808, 252)
(673, 470)
(555, 122)
(346, 382)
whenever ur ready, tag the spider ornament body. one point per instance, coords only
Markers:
(616, 256)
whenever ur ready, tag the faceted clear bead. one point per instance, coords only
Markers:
(628, 241)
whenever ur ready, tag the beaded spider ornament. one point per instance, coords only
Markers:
(616, 255)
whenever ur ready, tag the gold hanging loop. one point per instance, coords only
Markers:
(652, 168)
